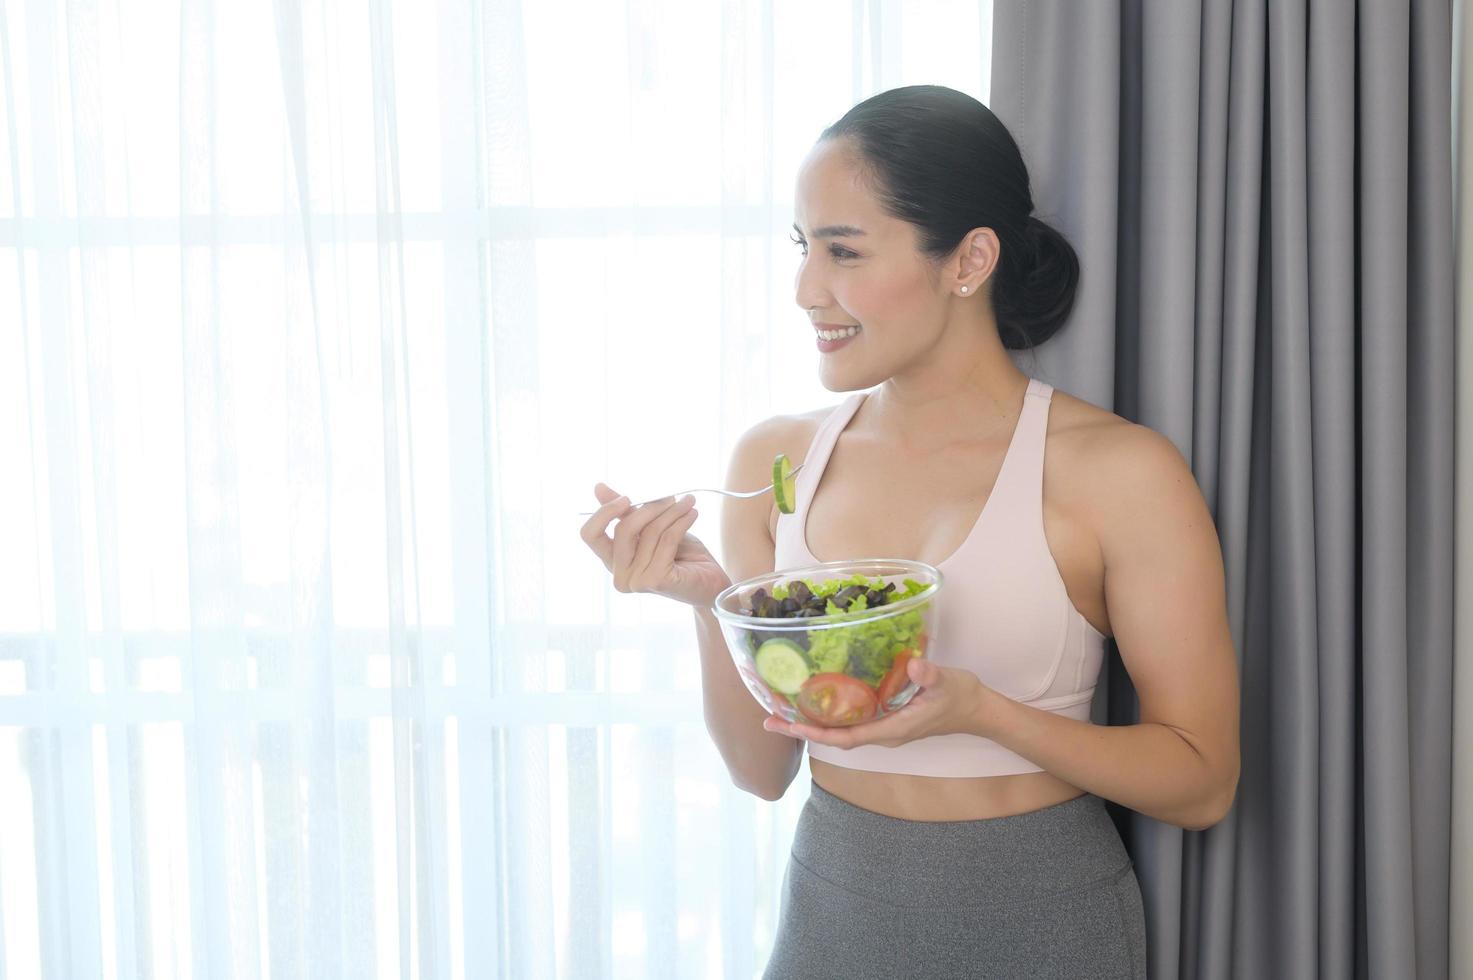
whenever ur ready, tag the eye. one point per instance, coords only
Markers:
(837, 251)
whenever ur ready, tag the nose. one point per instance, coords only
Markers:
(809, 288)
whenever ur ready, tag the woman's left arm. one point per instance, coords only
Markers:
(1165, 592)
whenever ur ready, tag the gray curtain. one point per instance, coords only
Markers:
(1261, 197)
(1461, 904)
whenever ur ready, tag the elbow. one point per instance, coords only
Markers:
(768, 782)
(1206, 822)
(769, 793)
(768, 790)
(1217, 808)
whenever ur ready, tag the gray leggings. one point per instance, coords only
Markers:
(1050, 893)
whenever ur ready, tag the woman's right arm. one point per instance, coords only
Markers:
(761, 762)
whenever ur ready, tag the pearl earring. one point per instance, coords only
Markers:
(964, 289)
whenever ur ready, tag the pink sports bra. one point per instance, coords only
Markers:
(1004, 613)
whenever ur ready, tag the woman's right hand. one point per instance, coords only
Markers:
(651, 550)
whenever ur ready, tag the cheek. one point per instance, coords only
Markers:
(884, 296)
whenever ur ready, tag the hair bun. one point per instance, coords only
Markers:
(1035, 231)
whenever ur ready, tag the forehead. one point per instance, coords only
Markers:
(829, 190)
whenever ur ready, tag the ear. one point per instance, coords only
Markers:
(977, 257)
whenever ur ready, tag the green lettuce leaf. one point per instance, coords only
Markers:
(865, 649)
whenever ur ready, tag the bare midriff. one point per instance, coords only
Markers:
(942, 798)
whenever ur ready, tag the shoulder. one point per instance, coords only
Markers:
(1083, 437)
(1104, 444)
(789, 434)
(1116, 474)
(1138, 489)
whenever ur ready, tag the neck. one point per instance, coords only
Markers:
(970, 394)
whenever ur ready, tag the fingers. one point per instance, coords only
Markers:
(637, 537)
(594, 531)
(773, 723)
(663, 557)
(643, 546)
(839, 738)
(651, 537)
(626, 538)
(644, 570)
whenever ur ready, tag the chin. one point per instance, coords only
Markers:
(839, 386)
(844, 382)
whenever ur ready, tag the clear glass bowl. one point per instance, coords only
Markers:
(834, 669)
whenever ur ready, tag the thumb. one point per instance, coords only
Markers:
(923, 672)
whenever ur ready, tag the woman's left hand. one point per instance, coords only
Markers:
(946, 703)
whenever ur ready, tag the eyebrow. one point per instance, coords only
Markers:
(833, 231)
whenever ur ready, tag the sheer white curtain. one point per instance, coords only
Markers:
(318, 322)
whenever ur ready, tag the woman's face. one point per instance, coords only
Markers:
(862, 267)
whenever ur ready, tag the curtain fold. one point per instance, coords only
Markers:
(1262, 199)
(1461, 899)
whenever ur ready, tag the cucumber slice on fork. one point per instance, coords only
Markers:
(784, 486)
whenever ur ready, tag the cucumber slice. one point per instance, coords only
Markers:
(782, 665)
(784, 487)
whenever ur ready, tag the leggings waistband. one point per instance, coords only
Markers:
(1023, 856)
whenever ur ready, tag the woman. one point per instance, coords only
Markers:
(965, 834)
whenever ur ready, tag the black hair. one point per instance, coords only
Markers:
(942, 161)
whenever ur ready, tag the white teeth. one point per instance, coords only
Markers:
(836, 334)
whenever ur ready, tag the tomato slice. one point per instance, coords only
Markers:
(896, 677)
(835, 700)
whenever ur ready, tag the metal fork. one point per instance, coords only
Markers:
(729, 493)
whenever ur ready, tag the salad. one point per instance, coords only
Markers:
(841, 675)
